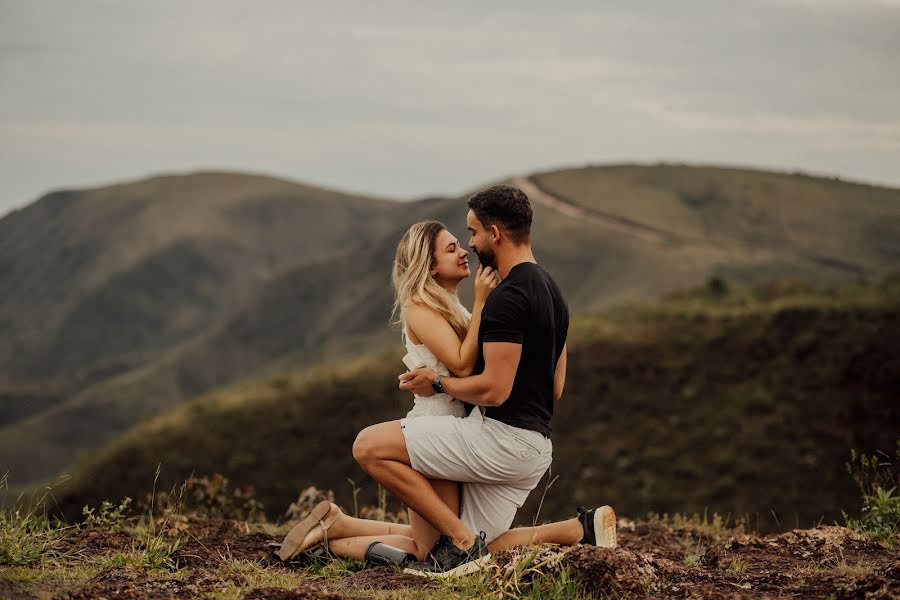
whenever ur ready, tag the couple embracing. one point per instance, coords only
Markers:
(477, 440)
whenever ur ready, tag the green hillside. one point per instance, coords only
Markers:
(92, 339)
(741, 401)
(122, 302)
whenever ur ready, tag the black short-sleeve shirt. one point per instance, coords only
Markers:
(527, 308)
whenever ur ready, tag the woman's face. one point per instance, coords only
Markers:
(450, 262)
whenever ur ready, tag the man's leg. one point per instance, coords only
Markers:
(381, 451)
(564, 533)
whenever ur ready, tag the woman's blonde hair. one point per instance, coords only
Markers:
(413, 282)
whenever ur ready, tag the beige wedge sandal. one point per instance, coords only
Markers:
(292, 545)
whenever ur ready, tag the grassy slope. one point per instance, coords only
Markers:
(143, 264)
(99, 342)
(744, 404)
(803, 219)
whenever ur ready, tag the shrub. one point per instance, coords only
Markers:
(878, 478)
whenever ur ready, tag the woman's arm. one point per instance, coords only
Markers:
(433, 330)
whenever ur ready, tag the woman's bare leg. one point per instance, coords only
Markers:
(343, 525)
(421, 534)
(564, 533)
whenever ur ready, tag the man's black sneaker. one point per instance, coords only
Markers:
(599, 525)
(446, 560)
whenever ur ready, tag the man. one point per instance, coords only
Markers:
(502, 449)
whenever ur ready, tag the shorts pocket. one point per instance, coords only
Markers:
(525, 449)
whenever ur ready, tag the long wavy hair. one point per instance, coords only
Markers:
(413, 283)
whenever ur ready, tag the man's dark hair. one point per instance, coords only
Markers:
(506, 207)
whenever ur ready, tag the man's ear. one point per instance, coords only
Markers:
(495, 234)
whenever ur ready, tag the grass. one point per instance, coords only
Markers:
(30, 538)
(524, 573)
(693, 553)
(738, 565)
(255, 575)
(27, 534)
(838, 565)
(714, 526)
(878, 478)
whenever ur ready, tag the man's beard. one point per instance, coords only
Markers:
(487, 258)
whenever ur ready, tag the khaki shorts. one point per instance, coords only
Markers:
(498, 464)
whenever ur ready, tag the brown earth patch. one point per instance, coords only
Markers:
(613, 571)
(213, 549)
(384, 578)
(90, 543)
(201, 528)
(305, 592)
(813, 563)
(12, 590)
(660, 541)
(126, 582)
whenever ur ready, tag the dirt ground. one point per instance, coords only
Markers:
(652, 561)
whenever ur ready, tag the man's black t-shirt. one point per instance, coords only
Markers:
(527, 308)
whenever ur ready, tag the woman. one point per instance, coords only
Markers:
(440, 334)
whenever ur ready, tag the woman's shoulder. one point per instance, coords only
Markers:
(417, 308)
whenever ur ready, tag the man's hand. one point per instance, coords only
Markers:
(418, 381)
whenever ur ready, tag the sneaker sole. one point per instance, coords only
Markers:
(605, 527)
(464, 569)
(291, 545)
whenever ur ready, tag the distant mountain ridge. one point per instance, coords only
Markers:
(121, 301)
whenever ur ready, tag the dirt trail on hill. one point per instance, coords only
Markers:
(661, 236)
(617, 223)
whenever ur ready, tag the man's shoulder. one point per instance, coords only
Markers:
(504, 295)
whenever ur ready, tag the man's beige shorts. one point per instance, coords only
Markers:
(498, 464)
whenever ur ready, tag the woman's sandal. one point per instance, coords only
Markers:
(292, 545)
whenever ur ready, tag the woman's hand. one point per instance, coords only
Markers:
(486, 279)
(418, 381)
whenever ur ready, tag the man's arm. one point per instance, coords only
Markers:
(491, 387)
(559, 376)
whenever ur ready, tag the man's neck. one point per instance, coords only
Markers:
(516, 255)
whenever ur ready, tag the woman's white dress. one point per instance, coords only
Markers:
(438, 404)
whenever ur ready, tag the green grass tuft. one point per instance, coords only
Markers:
(878, 477)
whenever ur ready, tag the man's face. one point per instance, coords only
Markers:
(481, 241)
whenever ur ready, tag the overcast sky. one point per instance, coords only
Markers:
(407, 99)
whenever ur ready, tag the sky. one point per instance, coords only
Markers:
(411, 99)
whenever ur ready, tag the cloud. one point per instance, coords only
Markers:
(402, 98)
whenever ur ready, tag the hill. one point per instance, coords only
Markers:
(744, 402)
(124, 301)
(103, 290)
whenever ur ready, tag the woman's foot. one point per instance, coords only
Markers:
(295, 541)
(329, 527)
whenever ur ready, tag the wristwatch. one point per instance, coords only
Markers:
(436, 384)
